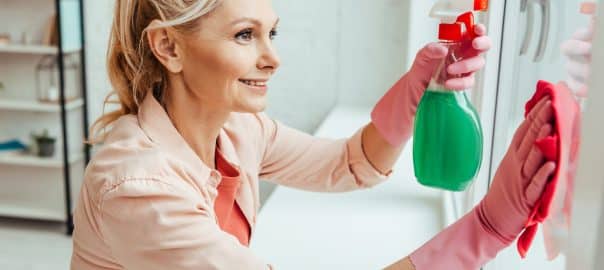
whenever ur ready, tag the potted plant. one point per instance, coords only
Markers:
(45, 144)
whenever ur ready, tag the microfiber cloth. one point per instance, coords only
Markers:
(555, 147)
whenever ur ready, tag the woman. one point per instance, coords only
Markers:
(175, 184)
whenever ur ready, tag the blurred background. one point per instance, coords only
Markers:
(338, 57)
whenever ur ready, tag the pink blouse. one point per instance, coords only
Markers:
(147, 201)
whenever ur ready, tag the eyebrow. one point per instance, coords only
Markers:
(252, 20)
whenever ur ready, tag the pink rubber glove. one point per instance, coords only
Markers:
(393, 115)
(578, 51)
(502, 214)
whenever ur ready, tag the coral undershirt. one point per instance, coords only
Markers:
(230, 216)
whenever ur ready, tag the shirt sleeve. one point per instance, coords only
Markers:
(297, 159)
(150, 224)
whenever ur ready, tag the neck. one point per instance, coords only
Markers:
(196, 121)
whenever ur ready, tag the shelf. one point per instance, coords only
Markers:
(37, 106)
(33, 213)
(34, 161)
(34, 49)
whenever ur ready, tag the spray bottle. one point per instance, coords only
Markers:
(448, 140)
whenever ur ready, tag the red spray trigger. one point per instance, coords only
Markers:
(468, 20)
(450, 31)
(481, 5)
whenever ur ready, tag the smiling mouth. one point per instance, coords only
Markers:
(255, 83)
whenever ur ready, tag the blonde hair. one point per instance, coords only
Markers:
(132, 68)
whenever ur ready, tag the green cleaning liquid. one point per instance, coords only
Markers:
(447, 140)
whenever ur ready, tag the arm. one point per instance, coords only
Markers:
(381, 154)
(154, 224)
(297, 159)
(404, 264)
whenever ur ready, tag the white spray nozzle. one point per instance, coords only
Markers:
(448, 10)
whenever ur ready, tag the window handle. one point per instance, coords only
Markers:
(528, 33)
(523, 5)
(545, 28)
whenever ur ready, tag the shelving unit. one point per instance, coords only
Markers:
(38, 106)
(34, 49)
(26, 160)
(28, 212)
(33, 187)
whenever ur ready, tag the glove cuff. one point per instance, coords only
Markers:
(394, 113)
(466, 244)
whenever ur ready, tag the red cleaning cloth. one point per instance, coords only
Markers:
(555, 147)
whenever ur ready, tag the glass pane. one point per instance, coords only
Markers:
(534, 34)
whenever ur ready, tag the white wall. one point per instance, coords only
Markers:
(98, 16)
(423, 29)
(305, 87)
(373, 41)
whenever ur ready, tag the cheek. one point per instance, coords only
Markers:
(235, 64)
(220, 66)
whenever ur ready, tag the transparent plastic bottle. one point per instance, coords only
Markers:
(447, 139)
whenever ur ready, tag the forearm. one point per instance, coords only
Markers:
(379, 152)
(403, 264)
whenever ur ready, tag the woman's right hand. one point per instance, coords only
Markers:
(520, 178)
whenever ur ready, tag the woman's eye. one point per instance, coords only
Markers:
(245, 35)
(273, 34)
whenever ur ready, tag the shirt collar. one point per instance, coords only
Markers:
(155, 122)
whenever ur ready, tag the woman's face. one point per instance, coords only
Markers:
(226, 65)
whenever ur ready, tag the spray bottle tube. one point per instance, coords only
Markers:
(448, 139)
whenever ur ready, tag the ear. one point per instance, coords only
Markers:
(164, 47)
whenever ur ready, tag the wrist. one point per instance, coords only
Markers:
(500, 215)
(393, 115)
(466, 244)
(494, 228)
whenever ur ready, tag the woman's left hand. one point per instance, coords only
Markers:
(473, 60)
(393, 115)
(428, 60)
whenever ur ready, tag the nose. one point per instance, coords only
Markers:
(268, 60)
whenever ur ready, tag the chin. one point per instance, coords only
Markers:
(254, 107)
